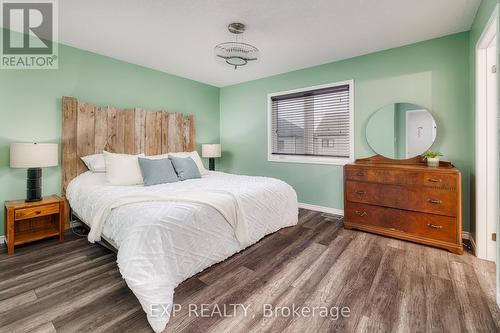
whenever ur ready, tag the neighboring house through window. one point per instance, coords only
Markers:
(312, 125)
(327, 143)
(281, 145)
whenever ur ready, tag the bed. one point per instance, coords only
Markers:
(160, 243)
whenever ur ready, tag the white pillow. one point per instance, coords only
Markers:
(95, 162)
(196, 158)
(123, 169)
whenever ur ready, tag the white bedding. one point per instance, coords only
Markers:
(162, 243)
(225, 202)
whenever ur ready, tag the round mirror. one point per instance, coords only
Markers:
(401, 131)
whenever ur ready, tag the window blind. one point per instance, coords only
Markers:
(312, 123)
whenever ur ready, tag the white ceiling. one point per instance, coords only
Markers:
(178, 36)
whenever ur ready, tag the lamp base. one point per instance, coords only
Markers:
(211, 164)
(34, 185)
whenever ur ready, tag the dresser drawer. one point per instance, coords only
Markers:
(402, 177)
(416, 198)
(27, 213)
(436, 227)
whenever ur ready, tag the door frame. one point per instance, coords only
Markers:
(485, 208)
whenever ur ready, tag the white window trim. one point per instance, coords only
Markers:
(312, 159)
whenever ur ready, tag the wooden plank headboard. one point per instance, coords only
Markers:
(90, 129)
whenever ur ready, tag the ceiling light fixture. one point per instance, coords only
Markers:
(235, 53)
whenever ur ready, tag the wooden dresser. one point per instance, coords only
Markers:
(405, 200)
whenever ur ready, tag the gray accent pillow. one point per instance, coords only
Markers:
(157, 171)
(185, 167)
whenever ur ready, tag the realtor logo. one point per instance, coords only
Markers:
(29, 34)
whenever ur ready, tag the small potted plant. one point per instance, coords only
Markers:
(432, 158)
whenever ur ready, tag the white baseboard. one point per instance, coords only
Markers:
(322, 209)
(2, 240)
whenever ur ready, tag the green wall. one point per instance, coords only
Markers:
(433, 74)
(30, 105)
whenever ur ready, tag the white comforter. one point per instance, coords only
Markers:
(225, 202)
(162, 243)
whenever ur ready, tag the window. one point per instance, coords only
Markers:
(312, 125)
(326, 143)
(281, 145)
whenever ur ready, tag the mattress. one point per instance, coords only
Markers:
(162, 243)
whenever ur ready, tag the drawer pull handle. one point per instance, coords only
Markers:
(361, 213)
(433, 226)
(38, 212)
(435, 180)
(360, 192)
(435, 201)
(360, 173)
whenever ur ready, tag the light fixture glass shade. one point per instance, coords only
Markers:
(33, 155)
(211, 150)
(236, 54)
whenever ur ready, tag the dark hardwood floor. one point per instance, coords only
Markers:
(388, 286)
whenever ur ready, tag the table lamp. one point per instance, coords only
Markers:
(211, 151)
(34, 157)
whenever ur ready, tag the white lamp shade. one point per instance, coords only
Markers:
(211, 150)
(33, 155)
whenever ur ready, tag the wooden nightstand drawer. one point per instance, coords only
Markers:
(28, 213)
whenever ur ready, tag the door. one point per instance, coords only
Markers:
(420, 132)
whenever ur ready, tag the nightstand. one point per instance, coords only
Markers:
(26, 222)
